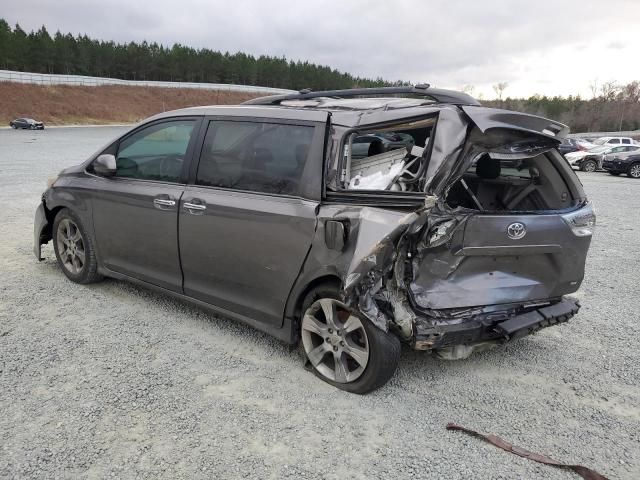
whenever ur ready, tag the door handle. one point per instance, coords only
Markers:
(162, 202)
(194, 208)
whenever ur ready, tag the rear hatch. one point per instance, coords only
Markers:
(515, 229)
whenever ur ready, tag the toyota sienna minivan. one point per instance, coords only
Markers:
(344, 222)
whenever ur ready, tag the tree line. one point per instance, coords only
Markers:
(39, 52)
(611, 108)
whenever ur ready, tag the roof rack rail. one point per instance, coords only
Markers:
(437, 94)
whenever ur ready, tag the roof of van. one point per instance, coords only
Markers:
(346, 112)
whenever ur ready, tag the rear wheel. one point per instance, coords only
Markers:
(74, 248)
(634, 171)
(589, 166)
(343, 348)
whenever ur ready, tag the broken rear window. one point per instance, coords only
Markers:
(519, 184)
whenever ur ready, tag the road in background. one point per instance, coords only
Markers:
(114, 380)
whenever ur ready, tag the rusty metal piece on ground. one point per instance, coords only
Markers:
(584, 472)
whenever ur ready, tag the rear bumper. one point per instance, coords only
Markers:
(494, 327)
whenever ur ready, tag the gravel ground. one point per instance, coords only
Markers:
(111, 380)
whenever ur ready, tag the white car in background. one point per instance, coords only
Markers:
(615, 141)
(591, 160)
(585, 144)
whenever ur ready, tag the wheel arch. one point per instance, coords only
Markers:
(294, 305)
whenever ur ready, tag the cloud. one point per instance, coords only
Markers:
(448, 43)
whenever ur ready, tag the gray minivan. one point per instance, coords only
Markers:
(466, 232)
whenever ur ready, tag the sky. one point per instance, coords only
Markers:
(556, 47)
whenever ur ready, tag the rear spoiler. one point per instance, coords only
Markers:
(488, 118)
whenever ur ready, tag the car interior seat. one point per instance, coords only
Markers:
(488, 193)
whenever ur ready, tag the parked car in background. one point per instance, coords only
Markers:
(569, 145)
(251, 211)
(623, 162)
(26, 123)
(614, 141)
(591, 160)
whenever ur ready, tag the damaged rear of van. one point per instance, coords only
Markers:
(457, 228)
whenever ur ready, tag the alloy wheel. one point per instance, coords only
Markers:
(71, 248)
(335, 341)
(590, 167)
(634, 171)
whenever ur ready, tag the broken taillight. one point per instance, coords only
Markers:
(582, 222)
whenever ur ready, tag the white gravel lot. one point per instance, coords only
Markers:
(111, 380)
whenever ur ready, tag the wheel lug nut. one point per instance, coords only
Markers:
(328, 340)
(335, 349)
(342, 344)
(330, 330)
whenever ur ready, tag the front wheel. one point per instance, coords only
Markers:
(634, 171)
(343, 348)
(589, 166)
(74, 248)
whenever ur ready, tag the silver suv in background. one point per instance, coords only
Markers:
(466, 230)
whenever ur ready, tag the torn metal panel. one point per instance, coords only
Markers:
(480, 265)
(493, 118)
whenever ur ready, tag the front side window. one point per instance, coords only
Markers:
(254, 156)
(614, 141)
(155, 152)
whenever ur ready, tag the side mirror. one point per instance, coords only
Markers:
(105, 165)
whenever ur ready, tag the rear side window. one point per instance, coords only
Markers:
(254, 156)
(626, 141)
(156, 152)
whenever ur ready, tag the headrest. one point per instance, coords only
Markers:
(488, 168)
(375, 148)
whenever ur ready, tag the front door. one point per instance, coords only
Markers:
(246, 226)
(135, 213)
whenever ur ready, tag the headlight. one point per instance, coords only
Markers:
(51, 181)
(582, 222)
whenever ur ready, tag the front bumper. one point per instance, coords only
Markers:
(494, 327)
(41, 231)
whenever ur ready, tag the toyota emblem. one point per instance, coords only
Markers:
(516, 231)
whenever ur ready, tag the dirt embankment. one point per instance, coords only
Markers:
(68, 104)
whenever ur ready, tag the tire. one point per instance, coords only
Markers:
(13, 126)
(589, 166)
(634, 170)
(383, 349)
(615, 174)
(74, 248)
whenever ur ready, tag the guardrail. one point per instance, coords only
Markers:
(81, 80)
(633, 134)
